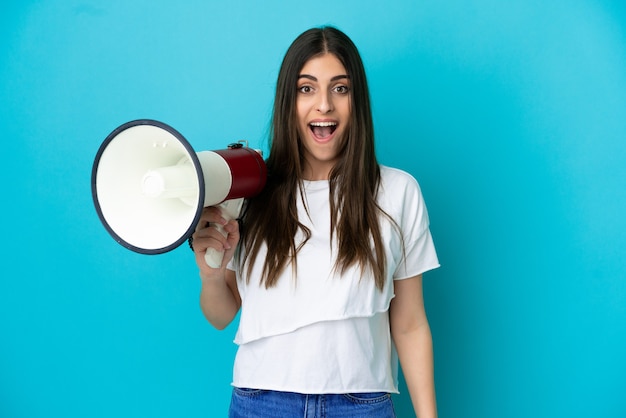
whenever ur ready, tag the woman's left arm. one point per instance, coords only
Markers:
(411, 334)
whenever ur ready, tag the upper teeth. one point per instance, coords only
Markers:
(323, 123)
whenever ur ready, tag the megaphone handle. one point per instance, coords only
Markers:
(230, 210)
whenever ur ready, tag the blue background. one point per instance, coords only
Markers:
(512, 115)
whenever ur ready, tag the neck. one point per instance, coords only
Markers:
(317, 172)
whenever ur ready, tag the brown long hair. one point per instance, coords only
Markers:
(272, 217)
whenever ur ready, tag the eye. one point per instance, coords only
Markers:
(305, 89)
(341, 89)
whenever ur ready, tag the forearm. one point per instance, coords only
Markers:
(218, 301)
(415, 351)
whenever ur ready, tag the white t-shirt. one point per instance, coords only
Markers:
(318, 332)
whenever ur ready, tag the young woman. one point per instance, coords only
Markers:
(327, 266)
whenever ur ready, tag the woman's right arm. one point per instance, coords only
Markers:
(219, 297)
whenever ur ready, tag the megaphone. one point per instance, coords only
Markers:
(149, 186)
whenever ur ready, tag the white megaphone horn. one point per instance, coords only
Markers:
(150, 187)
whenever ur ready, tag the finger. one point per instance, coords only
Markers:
(208, 234)
(211, 214)
(212, 238)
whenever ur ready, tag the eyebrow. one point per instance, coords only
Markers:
(335, 78)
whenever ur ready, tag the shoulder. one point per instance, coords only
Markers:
(400, 196)
(395, 180)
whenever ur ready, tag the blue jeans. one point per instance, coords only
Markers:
(256, 403)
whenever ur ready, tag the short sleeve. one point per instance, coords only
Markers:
(404, 198)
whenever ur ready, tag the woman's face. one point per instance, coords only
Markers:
(323, 110)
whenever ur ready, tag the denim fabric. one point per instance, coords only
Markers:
(255, 403)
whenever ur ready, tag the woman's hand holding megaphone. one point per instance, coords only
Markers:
(215, 239)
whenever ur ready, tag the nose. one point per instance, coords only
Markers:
(325, 103)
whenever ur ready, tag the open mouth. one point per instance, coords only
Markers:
(323, 130)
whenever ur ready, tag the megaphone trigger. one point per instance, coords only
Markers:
(230, 210)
